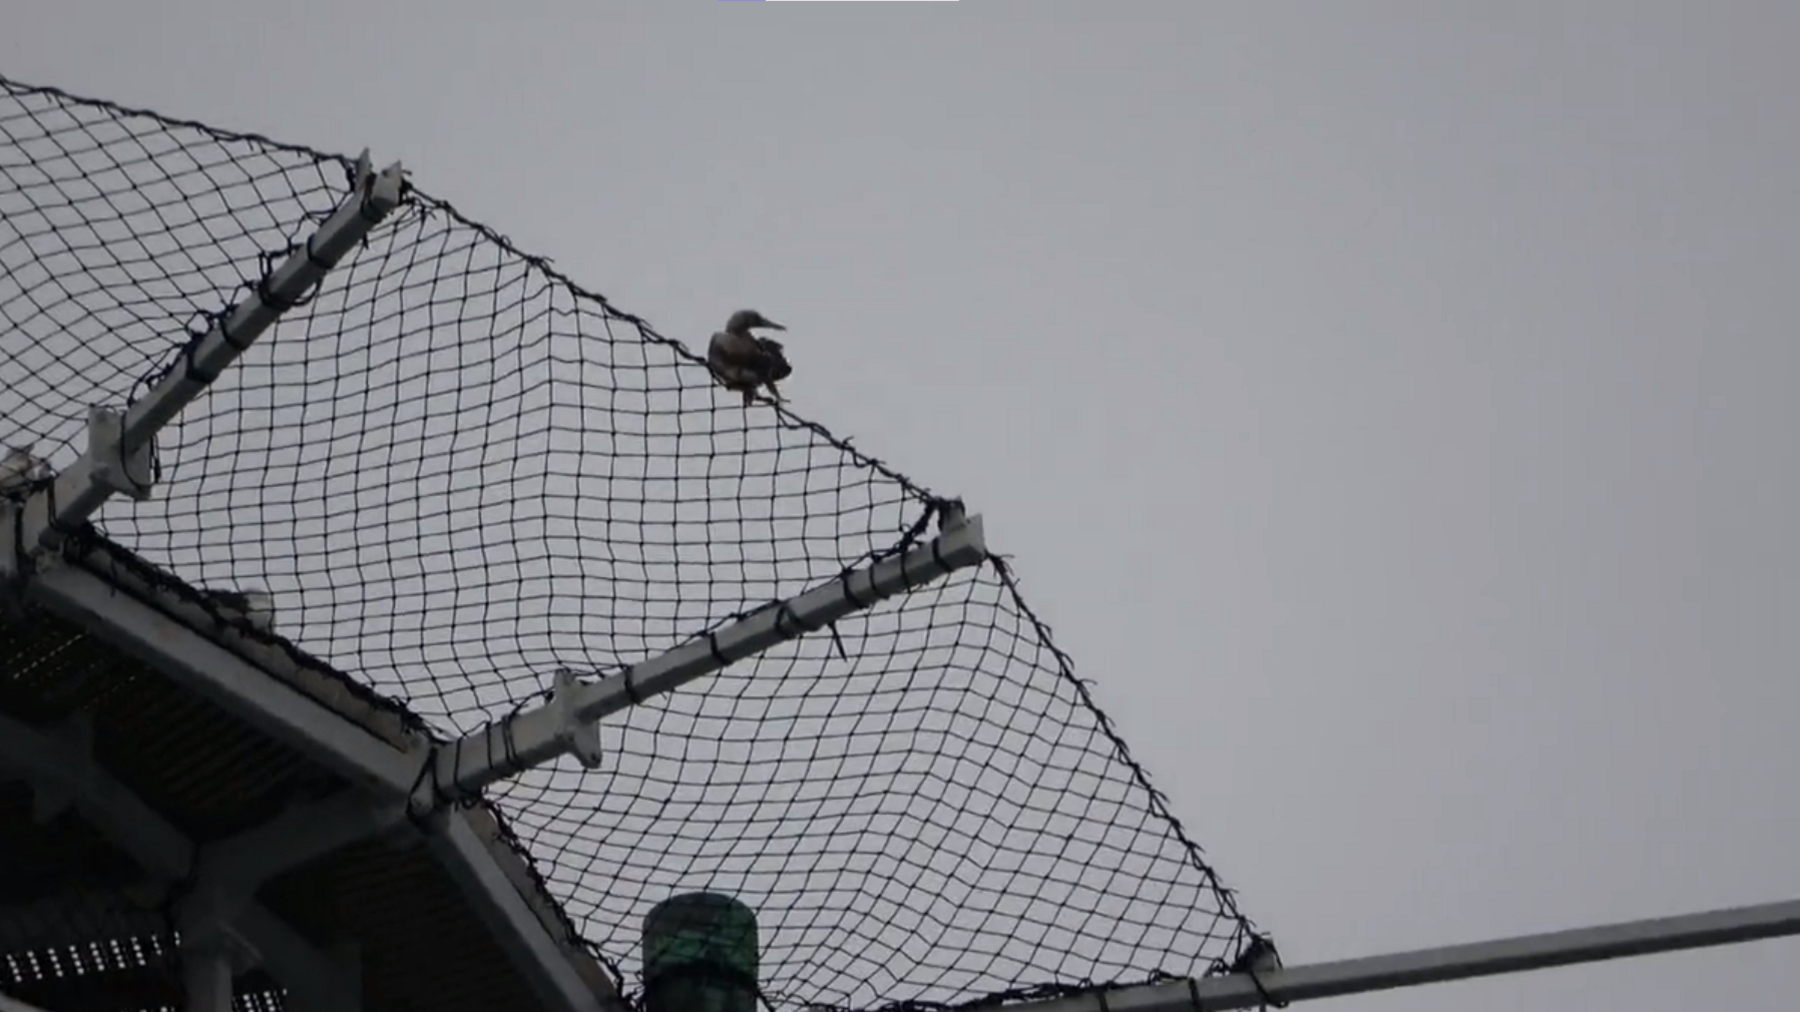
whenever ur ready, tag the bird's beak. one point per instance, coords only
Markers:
(772, 325)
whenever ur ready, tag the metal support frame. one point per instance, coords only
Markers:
(565, 723)
(386, 773)
(230, 871)
(205, 666)
(221, 908)
(390, 775)
(1518, 954)
(59, 763)
(117, 459)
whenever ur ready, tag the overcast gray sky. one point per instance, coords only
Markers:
(1386, 402)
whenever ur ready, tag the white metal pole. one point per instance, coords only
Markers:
(1449, 963)
(566, 723)
(117, 454)
(206, 974)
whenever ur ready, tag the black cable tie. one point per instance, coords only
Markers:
(1268, 1000)
(712, 644)
(312, 257)
(789, 624)
(222, 321)
(276, 302)
(508, 759)
(784, 619)
(631, 689)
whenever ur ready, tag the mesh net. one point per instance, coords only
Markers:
(456, 472)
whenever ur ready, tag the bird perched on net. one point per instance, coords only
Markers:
(742, 361)
(20, 469)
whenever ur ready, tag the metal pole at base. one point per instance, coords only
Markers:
(1440, 965)
(700, 955)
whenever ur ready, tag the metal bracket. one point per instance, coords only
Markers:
(110, 464)
(382, 191)
(577, 736)
(952, 514)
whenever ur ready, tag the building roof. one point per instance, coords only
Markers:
(87, 923)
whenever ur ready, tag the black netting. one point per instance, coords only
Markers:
(456, 471)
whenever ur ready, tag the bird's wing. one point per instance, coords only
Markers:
(775, 365)
(740, 350)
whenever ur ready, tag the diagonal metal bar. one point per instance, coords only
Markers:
(462, 842)
(565, 724)
(1518, 954)
(117, 458)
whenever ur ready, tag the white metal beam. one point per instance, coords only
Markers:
(565, 723)
(57, 762)
(1441, 965)
(117, 458)
(221, 675)
(517, 926)
(206, 977)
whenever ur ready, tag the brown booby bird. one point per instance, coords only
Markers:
(742, 361)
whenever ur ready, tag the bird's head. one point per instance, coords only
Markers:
(744, 319)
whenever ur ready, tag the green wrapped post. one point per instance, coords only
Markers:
(700, 955)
